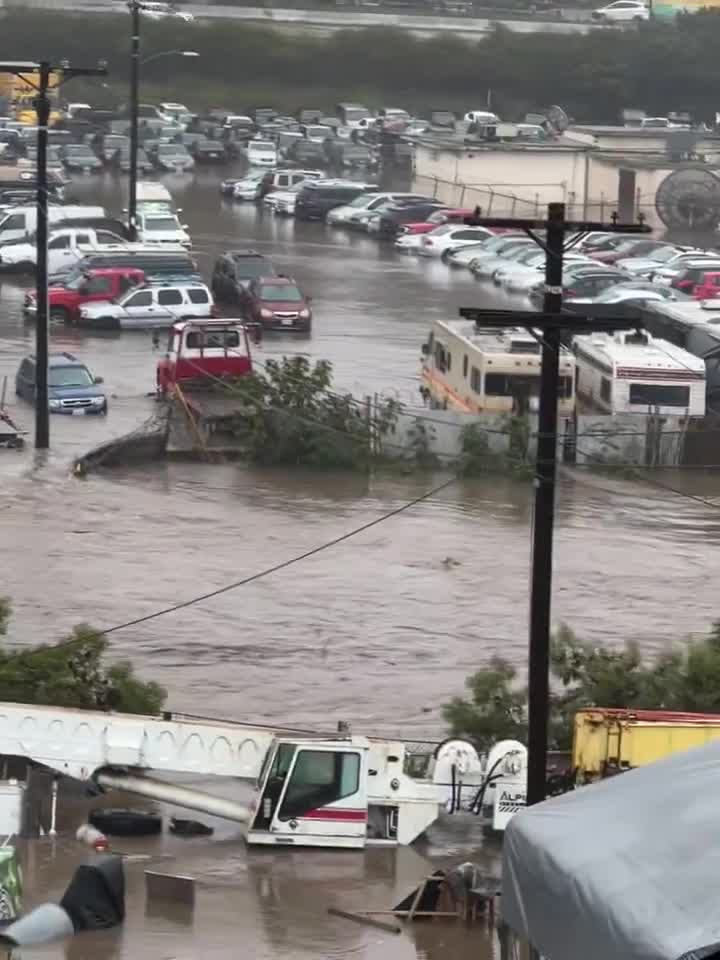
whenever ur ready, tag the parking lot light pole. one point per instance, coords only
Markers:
(39, 75)
(135, 7)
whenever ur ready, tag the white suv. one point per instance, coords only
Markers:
(148, 307)
(622, 11)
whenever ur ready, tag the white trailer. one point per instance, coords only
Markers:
(630, 372)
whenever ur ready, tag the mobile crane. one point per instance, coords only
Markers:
(340, 790)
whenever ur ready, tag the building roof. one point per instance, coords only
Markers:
(459, 143)
(657, 355)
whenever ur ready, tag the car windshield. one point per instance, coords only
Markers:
(261, 145)
(78, 150)
(170, 149)
(68, 376)
(161, 223)
(319, 131)
(280, 291)
(252, 267)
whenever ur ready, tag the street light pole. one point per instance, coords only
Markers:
(42, 320)
(134, 110)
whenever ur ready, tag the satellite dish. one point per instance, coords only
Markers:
(558, 118)
(689, 198)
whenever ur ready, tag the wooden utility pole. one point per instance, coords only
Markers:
(552, 323)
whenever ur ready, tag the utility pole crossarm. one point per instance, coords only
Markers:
(570, 226)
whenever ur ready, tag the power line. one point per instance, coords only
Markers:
(285, 563)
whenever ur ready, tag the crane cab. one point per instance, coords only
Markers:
(312, 793)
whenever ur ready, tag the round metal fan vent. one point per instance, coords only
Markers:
(689, 198)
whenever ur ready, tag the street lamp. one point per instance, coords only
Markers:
(136, 7)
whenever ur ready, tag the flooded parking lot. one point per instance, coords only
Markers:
(378, 631)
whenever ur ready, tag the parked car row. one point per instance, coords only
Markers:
(601, 268)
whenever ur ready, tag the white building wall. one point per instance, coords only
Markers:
(503, 182)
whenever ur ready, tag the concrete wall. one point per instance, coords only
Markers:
(503, 182)
(507, 182)
(633, 439)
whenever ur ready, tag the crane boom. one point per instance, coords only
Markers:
(79, 742)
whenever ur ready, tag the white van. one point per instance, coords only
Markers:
(19, 222)
(155, 193)
(261, 153)
(481, 116)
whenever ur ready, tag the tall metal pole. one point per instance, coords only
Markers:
(42, 410)
(541, 582)
(134, 109)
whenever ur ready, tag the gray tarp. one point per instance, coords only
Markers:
(625, 869)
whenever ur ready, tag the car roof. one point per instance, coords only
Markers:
(239, 254)
(60, 360)
(277, 279)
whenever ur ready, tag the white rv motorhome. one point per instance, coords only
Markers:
(474, 369)
(631, 372)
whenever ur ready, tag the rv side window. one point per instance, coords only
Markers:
(659, 395)
(465, 366)
(605, 389)
(320, 777)
(476, 380)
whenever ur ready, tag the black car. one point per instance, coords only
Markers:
(584, 283)
(234, 270)
(396, 214)
(318, 197)
(348, 155)
(208, 151)
(305, 153)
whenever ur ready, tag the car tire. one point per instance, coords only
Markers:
(59, 314)
(126, 823)
(107, 323)
(638, 19)
(25, 266)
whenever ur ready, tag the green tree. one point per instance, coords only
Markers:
(495, 710)
(292, 416)
(72, 674)
(684, 678)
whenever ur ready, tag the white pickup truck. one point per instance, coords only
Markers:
(65, 248)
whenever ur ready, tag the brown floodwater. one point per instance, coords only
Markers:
(379, 630)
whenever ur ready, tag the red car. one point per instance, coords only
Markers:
(435, 219)
(64, 302)
(276, 303)
(709, 286)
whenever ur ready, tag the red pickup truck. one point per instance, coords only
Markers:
(64, 302)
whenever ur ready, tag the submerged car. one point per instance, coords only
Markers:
(78, 156)
(276, 303)
(72, 389)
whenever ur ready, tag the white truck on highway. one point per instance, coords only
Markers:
(66, 246)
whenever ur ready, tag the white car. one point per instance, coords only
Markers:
(261, 153)
(162, 228)
(149, 307)
(156, 10)
(248, 189)
(465, 255)
(283, 201)
(447, 236)
(644, 267)
(350, 214)
(622, 11)
(519, 275)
